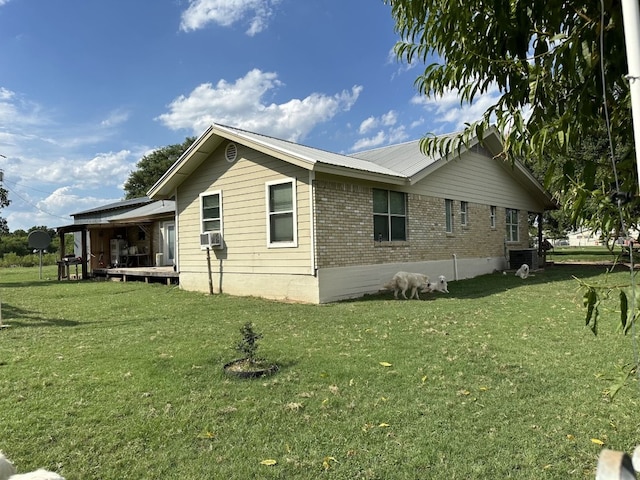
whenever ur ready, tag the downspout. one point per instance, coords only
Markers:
(455, 266)
(177, 240)
(312, 221)
(541, 252)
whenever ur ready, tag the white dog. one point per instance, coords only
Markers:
(8, 472)
(39, 474)
(403, 281)
(440, 285)
(6, 467)
(523, 271)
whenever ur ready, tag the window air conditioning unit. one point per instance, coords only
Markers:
(210, 240)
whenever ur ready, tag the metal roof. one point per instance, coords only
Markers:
(115, 206)
(402, 164)
(405, 158)
(312, 156)
(147, 212)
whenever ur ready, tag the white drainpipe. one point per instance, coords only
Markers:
(455, 266)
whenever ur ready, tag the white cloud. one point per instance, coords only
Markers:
(389, 136)
(105, 169)
(6, 94)
(403, 65)
(387, 120)
(3, 2)
(417, 123)
(368, 125)
(227, 12)
(448, 109)
(55, 209)
(66, 200)
(44, 154)
(370, 142)
(388, 133)
(241, 104)
(115, 118)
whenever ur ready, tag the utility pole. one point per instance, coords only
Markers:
(631, 21)
(1, 180)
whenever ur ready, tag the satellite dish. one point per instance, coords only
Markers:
(39, 239)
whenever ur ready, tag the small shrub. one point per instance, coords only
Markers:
(249, 343)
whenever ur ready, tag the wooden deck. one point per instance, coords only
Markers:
(146, 274)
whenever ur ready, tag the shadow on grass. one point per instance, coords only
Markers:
(490, 284)
(19, 318)
(35, 283)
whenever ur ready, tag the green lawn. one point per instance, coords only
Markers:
(598, 254)
(498, 379)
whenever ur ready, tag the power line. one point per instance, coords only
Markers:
(14, 192)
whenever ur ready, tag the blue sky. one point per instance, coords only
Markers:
(88, 87)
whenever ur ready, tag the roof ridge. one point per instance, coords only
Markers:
(291, 142)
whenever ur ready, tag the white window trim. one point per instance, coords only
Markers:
(390, 216)
(517, 224)
(449, 217)
(267, 185)
(492, 216)
(208, 194)
(164, 243)
(464, 213)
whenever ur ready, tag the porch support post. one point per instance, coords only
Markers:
(85, 268)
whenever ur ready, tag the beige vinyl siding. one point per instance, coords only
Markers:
(476, 178)
(244, 215)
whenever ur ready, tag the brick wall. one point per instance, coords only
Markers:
(344, 229)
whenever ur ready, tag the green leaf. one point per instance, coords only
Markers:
(590, 300)
(624, 310)
(589, 175)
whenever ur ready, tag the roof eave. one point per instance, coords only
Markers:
(191, 159)
(360, 174)
(282, 154)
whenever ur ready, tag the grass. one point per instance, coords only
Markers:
(587, 254)
(498, 379)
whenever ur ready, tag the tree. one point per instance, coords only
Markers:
(559, 67)
(152, 166)
(585, 185)
(553, 62)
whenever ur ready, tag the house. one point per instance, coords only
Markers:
(257, 215)
(129, 234)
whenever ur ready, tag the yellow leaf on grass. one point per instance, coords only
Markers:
(597, 441)
(424, 379)
(326, 462)
(269, 462)
(570, 437)
(386, 364)
(384, 425)
(207, 435)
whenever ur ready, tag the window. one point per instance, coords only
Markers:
(492, 216)
(389, 215)
(211, 212)
(448, 215)
(281, 222)
(464, 214)
(512, 225)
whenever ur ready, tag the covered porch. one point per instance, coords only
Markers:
(128, 240)
(163, 274)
